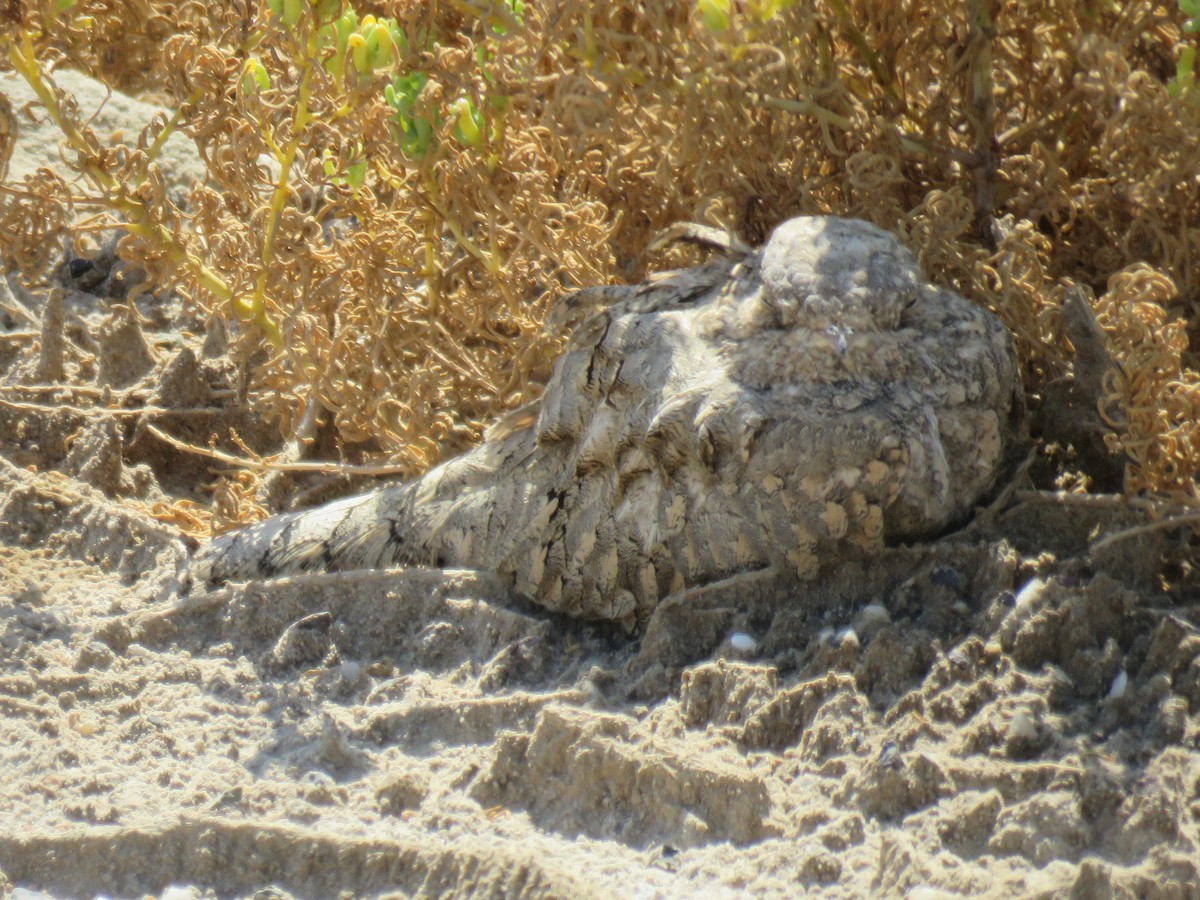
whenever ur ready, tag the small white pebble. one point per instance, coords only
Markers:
(350, 671)
(1031, 591)
(1119, 684)
(848, 637)
(873, 614)
(1021, 726)
(742, 642)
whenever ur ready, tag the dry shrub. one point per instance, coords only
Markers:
(411, 306)
(1152, 399)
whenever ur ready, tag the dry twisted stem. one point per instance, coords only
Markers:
(1152, 401)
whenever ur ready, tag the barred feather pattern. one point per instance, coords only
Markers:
(787, 407)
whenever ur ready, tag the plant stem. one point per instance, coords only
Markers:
(114, 193)
(257, 306)
(981, 114)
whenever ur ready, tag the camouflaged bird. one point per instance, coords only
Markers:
(788, 407)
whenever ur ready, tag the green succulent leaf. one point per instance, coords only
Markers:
(715, 13)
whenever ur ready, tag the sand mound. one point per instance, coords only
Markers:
(914, 723)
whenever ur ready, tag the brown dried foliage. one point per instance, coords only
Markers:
(420, 321)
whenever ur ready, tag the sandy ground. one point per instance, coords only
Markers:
(1009, 711)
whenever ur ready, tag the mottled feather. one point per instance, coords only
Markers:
(788, 407)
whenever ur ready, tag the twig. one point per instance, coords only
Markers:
(807, 108)
(87, 390)
(855, 36)
(117, 412)
(302, 436)
(1010, 489)
(1187, 518)
(258, 465)
(981, 114)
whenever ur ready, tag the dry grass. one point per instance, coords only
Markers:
(1017, 161)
